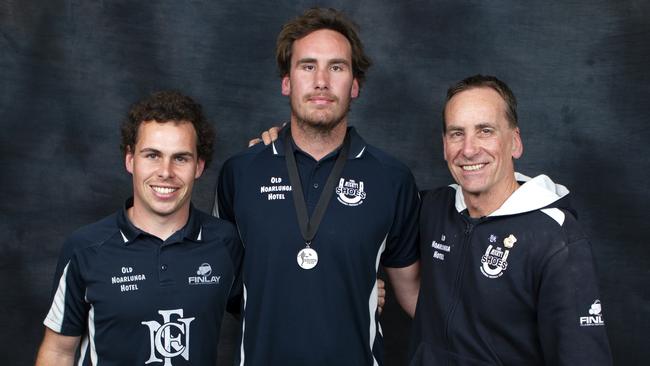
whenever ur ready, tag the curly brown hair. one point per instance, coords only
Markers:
(169, 106)
(316, 19)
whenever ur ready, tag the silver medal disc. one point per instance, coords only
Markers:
(307, 258)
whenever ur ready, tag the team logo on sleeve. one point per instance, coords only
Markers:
(595, 317)
(350, 193)
(170, 339)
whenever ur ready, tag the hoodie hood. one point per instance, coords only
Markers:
(535, 193)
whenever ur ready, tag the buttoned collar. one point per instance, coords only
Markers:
(191, 231)
(357, 144)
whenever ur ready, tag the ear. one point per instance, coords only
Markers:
(517, 144)
(444, 146)
(286, 85)
(354, 91)
(200, 165)
(128, 160)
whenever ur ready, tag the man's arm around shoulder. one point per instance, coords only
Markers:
(406, 285)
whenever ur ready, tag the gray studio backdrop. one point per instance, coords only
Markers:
(70, 69)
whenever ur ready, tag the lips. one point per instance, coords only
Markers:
(321, 98)
(164, 190)
(473, 167)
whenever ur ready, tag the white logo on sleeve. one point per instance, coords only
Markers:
(595, 317)
(169, 339)
(350, 193)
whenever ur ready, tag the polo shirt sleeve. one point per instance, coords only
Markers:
(224, 197)
(68, 310)
(571, 325)
(402, 247)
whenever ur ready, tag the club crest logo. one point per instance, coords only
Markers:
(494, 261)
(350, 193)
(170, 339)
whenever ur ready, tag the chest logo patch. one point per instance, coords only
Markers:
(275, 190)
(169, 339)
(128, 279)
(440, 248)
(203, 276)
(350, 193)
(495, 260)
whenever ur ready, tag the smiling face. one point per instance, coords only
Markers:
(320, 84)
(479, 145)
(164, 164)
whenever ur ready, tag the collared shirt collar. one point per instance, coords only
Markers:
(357, 144)
(192, 230)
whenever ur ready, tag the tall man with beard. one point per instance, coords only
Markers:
(318, 211)
(507, 272)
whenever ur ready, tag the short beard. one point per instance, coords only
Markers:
(319, 126)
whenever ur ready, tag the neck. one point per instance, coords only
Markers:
(483, 204)
(159, 226)
(317, 142)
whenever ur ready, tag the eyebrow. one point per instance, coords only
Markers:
(149, 150)
(156, 151)
(339, 61)
(306, 60)
(309, 60)
(185, 154)
(484, 125)
(454, 128)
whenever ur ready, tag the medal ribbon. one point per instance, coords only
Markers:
(309, 225)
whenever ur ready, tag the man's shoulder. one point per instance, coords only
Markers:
(92, 235)
(389, 166)
(214, 227)
(249, 155)
(444, 194)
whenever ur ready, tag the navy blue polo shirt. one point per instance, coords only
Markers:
(325, 315)
(136, 299)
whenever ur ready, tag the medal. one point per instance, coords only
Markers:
(307, 258)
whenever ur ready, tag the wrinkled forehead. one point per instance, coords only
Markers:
(475, 106)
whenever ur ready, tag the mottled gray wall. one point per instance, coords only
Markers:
(69, 70)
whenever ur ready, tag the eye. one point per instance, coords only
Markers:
(486, 131)
(308, 67)
(337, 68)
(181, 159)
(151, 156)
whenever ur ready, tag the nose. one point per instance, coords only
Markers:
(470, 147)
(166, 171)
(322, 78)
